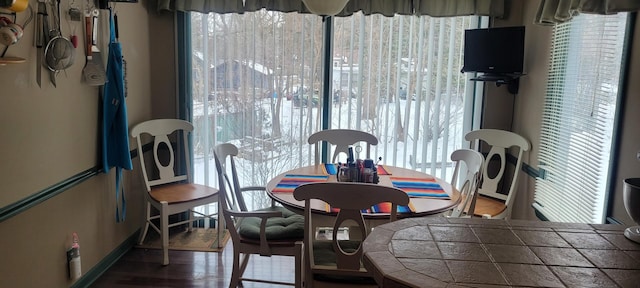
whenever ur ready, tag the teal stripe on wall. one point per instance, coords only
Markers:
(37, 198)
(48, 193)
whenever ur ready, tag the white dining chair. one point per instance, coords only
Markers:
(169, 191)
(341, 139)
(467, 175)
(268, 231)
(337, 262)
(491, 202)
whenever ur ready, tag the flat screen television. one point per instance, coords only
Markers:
(498, 50)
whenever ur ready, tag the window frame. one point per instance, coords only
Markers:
(474, 95)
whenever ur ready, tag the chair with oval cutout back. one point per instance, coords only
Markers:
(342, 139)
(337, 262)
(170, 192)
(490, 202)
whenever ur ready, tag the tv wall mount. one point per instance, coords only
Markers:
(511, 80)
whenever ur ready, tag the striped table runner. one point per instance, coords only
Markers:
(420, 187)
(290, 181)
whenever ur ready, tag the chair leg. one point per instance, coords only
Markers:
(235, 272)
(298, 262)
(221, 224)
(164, 227)
(190, 227)
(145, 229)
(308, 276)
(243, 264)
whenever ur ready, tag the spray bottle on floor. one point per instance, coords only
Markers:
(73, 259)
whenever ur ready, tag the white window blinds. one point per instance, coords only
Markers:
(578, 117)
(258, 83)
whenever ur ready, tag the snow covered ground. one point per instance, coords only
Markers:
(297, 123)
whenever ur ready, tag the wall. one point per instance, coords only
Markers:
(529, 106)
(50, 134)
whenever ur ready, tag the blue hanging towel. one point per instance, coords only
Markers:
(115, 136)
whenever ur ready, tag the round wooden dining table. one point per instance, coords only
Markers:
(421, 206)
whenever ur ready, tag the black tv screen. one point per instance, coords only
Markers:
(497, 50)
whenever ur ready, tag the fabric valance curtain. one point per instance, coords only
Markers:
(203, 6)
(435, 8)
(383, 7)
(447, 8)
(275, 5)
(551, 12)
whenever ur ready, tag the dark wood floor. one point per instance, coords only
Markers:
(142, 268)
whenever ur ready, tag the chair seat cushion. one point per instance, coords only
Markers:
(289, 226)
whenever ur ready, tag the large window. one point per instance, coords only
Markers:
(578, 118)
(258, 83)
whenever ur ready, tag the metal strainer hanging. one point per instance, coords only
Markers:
(59, 52)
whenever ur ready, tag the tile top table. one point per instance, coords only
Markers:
(448, 252)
